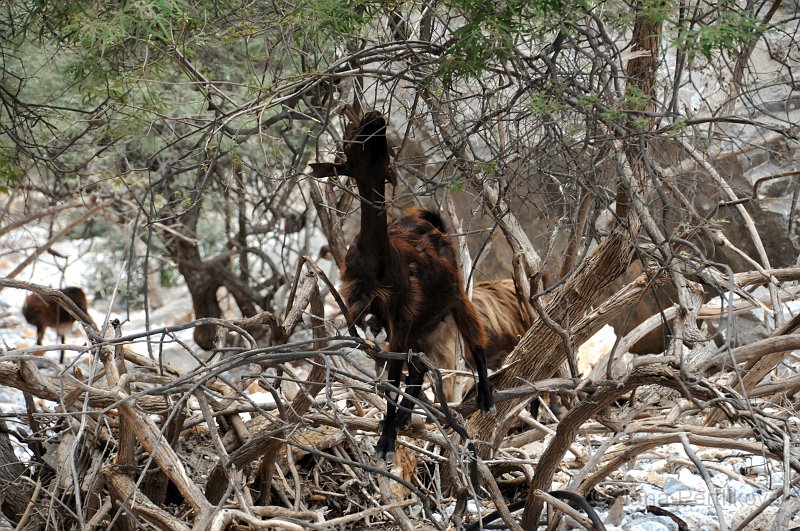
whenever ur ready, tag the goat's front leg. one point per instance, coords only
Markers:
(385, 447)
(63, 340)
(397, 420)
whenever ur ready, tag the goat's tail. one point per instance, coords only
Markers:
(434, 219)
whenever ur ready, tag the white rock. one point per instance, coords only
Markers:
(719, 480)
(639, 476)
(742, 494)
(657, 465)
(673, 485)
(648, 525)
(593, 350)
(692, 480)
(754, 465)
(656, 478)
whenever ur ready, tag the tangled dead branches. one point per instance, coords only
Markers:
(146, 444)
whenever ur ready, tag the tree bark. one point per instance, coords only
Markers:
(184, 250)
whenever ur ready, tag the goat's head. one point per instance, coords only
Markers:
(366, 151)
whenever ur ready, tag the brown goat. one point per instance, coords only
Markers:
(405, 274)
(44, 312)
(506, 318)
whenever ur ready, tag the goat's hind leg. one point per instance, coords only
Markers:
(472, 331)
(484, 397)
(385, 447)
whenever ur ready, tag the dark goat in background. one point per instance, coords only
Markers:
(404, 274)
(44, 312)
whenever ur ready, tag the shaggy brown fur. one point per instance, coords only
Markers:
(504, 318)
(404, 274)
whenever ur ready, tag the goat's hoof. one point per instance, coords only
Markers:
(486, 404)
(388, 457)
(385, 450)
(491, 410)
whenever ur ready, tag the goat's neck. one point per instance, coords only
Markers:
(374, 237)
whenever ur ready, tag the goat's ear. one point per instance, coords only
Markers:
(327, 169)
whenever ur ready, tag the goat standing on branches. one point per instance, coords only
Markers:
(404, 274)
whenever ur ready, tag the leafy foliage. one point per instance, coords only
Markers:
(732, 30)
(492, 32)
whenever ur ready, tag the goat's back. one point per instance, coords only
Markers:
(43, 311)
(413, 290)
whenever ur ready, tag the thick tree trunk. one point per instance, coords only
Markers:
(202, 287)
(184, 250)
(608, 261)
